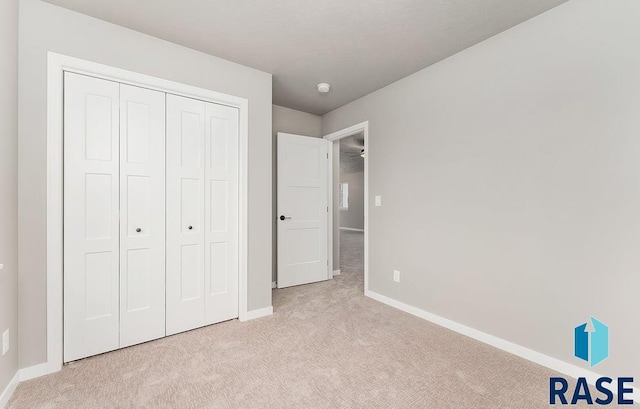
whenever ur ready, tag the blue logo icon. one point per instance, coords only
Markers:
(591, 343)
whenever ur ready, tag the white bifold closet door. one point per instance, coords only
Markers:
(202, 213)
(142, 215)
(91, 221)
(114, 271)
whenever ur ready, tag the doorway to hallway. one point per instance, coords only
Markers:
(350, 203)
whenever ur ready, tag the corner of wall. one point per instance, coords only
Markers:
(9, 196)
(6, 394)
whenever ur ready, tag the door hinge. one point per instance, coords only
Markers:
(327, 155)
(327, 209)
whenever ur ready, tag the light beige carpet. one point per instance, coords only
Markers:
(326, 346)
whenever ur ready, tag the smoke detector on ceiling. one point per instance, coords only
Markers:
(323, 87)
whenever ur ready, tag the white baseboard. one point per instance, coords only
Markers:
(274, 284)
(262, 312)
(515, 349)
(336, 272)
(36, 371)
(24, 375)
(8, 391)
(352, 229)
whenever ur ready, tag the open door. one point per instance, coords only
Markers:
(303, 200)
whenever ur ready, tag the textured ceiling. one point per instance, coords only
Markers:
(357, 46)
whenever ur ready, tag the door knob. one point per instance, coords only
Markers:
(283, 217)
(190, 227)
(138, 230)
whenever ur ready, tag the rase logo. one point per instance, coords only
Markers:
(590, 344)
(596, 337)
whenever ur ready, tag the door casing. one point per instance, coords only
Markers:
(335, 138)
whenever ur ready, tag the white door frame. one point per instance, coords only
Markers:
(57, 65)
(335, 138)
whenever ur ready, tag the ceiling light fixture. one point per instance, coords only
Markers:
(323, 87)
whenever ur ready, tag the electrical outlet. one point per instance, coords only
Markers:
(396, 276)
(378, 201)
(5, 342)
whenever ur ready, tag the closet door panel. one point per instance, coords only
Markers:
(142, 215)
(91, 202)
(221, 210)
(185, 214)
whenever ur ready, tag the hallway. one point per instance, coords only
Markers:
(351, 252)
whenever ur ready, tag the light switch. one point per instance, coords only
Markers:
(378, 201)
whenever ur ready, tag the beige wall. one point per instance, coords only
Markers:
(9, 186)
(44, 27)
(299, 123)
(510, 177)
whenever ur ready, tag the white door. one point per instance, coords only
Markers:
(202, 213)
(303, 173)
(221, 213)
(150, 234)
(91, 203)
(185, 213)
(142, 217)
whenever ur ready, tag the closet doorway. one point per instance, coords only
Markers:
(153, 209)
